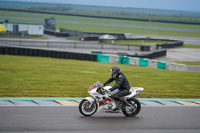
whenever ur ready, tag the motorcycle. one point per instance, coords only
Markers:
(101, 101)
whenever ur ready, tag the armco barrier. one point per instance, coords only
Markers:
(143, 62)
(153, 63)
(149, 55)
(102, 57)
(8, 50)
(114, 59)
(124, 60)
(63, 44)
(134, 61)
(161, 65)
(170, 44)
(175, 66)
(105, 58)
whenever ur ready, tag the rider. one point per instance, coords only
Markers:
(121, 83)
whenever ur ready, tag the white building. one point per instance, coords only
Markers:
(25, 28)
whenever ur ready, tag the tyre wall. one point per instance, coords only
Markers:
(7, 50)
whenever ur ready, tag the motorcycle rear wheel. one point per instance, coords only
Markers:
(84, 107)
(132, 111)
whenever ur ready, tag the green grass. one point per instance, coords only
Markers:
(189, 46)
(22, 76)
(114, 29)
(98, 20)
(107, 29)
(139, 13)
(187, 62)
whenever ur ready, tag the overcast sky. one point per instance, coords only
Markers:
(184, 5)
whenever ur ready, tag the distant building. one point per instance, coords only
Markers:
(2, 28)
(50, 23)
(25, 28)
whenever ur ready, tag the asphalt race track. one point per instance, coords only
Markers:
(67, 119)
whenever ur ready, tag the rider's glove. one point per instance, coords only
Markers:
(99, 88)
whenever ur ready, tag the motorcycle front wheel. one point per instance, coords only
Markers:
(133, 110)
(86, 108)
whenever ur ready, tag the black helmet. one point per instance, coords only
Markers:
(115, 71)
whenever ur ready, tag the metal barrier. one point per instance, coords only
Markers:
(149, 55)
(64, 44)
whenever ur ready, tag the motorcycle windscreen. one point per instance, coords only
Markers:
(95, 85)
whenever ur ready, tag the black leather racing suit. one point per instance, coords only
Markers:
(121, 83)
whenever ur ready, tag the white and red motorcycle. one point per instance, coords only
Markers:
(101, 101)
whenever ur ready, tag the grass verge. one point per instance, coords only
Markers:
(187, 62)
(189, 46)
(22, 76)
(97, 20)
(107, 29)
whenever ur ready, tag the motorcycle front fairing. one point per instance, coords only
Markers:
(102, 100)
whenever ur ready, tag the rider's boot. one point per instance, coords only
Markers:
(119, 105)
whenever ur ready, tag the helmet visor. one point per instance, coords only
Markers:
(113, 73)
